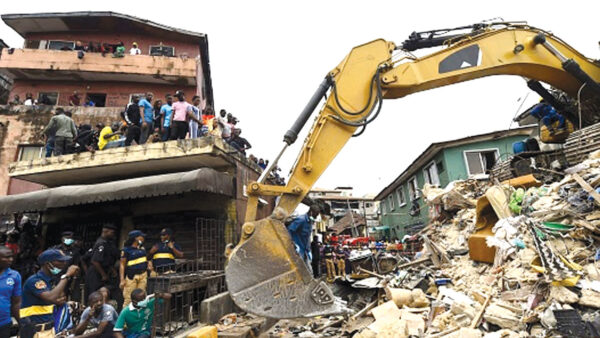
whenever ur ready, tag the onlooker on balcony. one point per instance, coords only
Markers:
(147, 113)
(119, 51)
(166, 112)
(239, 143)
(134, 121)
(135, 50)
(65, 132)
(207, 115)
(106, 134)
(16, 100)
(88, 102)
(194, 126)
(114, 135)
(157, 116)
(182, 113)
(74, 100)
(79, 46)
(28, 99)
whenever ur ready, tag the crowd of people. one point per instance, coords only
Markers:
(41, 289)
(143, 121)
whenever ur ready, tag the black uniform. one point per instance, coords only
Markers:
(106, 253)
(315, 249)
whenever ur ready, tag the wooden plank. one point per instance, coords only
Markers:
(587, 188)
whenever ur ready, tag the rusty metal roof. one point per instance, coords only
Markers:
(204, 180)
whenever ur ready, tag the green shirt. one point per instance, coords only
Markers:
(132, 320)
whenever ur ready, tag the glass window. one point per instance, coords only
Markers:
(48, 98)
(400, 196)
(391, 201)
(431, 174)
(30, 152)
(480, 162)
(413, 189)
(162, 50)
(61, 45)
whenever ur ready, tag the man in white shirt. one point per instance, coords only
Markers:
(135, 50)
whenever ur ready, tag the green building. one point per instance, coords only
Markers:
(402, 208)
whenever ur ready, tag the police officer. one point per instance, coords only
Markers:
(163, 254)
(39, 298)
(103, 257)
(67, 246)
(134, 265)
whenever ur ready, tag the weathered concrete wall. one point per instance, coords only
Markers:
(22, 125)
(117, 93)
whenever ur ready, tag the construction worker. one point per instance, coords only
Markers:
(39, 298)
(163, 254)
(134, 265)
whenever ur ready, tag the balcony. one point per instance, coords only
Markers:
(56, 65)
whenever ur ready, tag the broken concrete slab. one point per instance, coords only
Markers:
(563, 295)
(502, 317)
(215, 307)
(590, 298)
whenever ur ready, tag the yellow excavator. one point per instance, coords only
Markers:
(264, 274)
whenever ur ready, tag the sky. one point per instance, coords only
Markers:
(268, 57)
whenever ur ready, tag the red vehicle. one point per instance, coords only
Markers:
(358, 241)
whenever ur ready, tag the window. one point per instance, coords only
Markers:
(98, 99)
(382, 204)
(430, 173)
(400, 195)
(30, 152)
(440, 166)
(162, 50)
(480, 162)
(61, 45)
(391, 201)
(413, 188)
(48, 98)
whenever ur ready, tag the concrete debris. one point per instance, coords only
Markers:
(542, 261)
(563, 295)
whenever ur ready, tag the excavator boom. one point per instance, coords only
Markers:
(264, 274)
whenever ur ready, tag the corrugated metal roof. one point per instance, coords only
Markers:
(204, 179)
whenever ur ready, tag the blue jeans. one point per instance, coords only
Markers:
(115, 144)
(49, 146)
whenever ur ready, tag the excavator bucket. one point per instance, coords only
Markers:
(265, 276)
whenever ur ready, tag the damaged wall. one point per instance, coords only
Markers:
(23, 125)
(117, 94)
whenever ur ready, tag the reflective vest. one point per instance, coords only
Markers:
(164, 255)
(33, 308)
(136, 262)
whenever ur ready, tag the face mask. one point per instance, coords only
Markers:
(54, 270)
(140, 243)
(312, 219)
(68, 241)
(142, 304)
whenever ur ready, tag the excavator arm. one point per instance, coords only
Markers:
(264, 274)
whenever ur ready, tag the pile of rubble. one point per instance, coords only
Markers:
(511, 259)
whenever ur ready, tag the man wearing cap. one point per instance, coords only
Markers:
(39, 298)
(135, 50)
(163, 254)
(10, 292)
(104, 255)
(134, 265)
(68, 248)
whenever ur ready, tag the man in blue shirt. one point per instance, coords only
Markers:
(10, 292)
(147, 113)
(39, 298)
(301, 230)
(167, 115)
